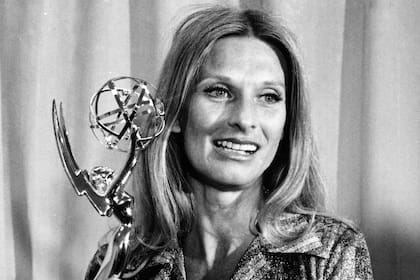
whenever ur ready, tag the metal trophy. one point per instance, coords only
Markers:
(125, 116)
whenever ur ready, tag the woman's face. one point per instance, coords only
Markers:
(237, 114)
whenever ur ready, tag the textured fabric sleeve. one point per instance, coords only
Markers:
(350, 258)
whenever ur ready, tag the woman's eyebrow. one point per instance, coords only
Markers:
(209, 79)
(227, 79)
(274, 84)
(215, 78)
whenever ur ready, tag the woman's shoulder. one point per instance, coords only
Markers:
(322, 235)
(333, 224)
(344, 246)
(338, 244)
(322, 224)
(335, 231)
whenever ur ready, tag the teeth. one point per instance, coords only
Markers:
(248, 148)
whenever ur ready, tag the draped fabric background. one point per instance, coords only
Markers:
(363, 69)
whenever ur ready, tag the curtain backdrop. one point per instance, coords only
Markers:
(362, 65)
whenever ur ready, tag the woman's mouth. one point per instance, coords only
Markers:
(241, 148)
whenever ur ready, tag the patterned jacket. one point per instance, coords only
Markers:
(331, 250)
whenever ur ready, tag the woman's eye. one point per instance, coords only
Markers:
(217, 92)
(271, 98)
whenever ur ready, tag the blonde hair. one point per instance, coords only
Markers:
(164, 207)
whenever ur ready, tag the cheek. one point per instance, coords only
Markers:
(274, 130)
(273, 125)
(199, 124)
(202, 117)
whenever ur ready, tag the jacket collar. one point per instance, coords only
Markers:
(310, 243)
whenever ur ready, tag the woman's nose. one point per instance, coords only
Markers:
(242, 115)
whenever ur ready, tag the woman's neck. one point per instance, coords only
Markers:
(222, 230)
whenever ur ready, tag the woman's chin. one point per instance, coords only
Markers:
(229, 180)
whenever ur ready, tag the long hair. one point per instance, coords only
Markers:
(164, 208)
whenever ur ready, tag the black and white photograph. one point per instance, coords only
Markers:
(210, 139)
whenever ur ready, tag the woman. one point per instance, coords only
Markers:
(231, 190)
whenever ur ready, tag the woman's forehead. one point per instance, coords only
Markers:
(234, 55)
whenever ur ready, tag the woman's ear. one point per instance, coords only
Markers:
(176, 128)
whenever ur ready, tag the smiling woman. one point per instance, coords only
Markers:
(232, 188)
(236, 114)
